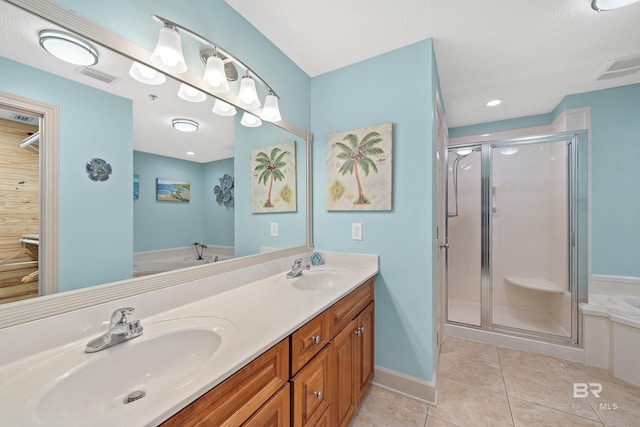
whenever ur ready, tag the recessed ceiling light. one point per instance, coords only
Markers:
(185, 125)
(602, 5)
(494, 102)
(190, 153)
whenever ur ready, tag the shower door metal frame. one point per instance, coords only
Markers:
(577, 230)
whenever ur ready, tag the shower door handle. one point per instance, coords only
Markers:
(444, 245)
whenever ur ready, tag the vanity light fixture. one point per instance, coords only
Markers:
(220, 67)
(146, 75)
(250, 121)
(494, 102)
(214, 74)
(222, 108)
(464, 152)
(168, 50)
(271, 112)
(247, 95)
(68, 47)
(185, 125)
(191, 94)
(604, 5)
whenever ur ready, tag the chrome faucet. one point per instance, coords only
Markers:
(120, 330)
(298, 266)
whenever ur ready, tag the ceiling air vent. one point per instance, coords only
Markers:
(620, 67)
(98, 75)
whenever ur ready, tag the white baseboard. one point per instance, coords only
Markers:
(415, 388)
(600, 284)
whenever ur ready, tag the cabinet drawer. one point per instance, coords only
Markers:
(307, 341)
(311, 390)
(345, 310)
(233, 401)
(275, 413)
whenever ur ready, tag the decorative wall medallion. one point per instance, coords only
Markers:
(98, 170)
(224, 191)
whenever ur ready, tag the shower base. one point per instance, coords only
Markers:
(469, 313)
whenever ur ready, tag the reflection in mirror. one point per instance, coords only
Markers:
(122, 227)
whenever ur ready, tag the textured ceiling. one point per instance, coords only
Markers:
(530, 53)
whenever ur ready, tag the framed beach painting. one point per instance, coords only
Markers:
(170, 190)
(359, 169)
(273, 178)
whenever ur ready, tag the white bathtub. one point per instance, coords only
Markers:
(151, 262)
(612, 335)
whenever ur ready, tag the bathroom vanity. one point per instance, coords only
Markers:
(247, 347)
(316, 376)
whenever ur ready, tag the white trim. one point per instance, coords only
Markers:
(600, 284)
(415, 388)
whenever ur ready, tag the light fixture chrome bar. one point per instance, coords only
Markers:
(229, 56)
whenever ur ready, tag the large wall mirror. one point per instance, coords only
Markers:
(119, 229)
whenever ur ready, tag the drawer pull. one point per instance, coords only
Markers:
(318, 394)
(315, 339)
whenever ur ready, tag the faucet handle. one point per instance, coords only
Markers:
(119, 317)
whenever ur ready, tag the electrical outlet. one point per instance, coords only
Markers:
(356, 231)
(274, 229)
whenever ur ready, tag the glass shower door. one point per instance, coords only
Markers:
(464, 262)
(530, 237)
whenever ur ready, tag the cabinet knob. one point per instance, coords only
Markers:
(357, 331)
(318, 394)
(362, 329)
(316, 339)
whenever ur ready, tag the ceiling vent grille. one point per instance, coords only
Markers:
(98, 75)
(620, 68)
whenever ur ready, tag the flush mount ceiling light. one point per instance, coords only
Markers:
(494, 102)
(221, 108)
(603, 5)
(185, 125)
(250, 121)
(271, 112)
(168, 50)
(191, 94)
(146, 75)
(68, 47)
(190, 153)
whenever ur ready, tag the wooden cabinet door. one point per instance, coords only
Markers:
(275, 413)
(343, 372)
(311, 391)
(364, 352)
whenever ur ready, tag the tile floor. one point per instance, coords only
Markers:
(485, 385)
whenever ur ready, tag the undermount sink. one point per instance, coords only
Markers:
(169, 355)
(319, 278)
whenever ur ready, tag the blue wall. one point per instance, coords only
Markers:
(357, 96)
(615, 150)
(163, 225)
(218, 220)
(95, 217)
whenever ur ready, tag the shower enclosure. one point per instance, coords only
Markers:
(517, 235)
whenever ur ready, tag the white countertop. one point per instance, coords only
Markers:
(262, 313)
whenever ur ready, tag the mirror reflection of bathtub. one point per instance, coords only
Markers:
(160, 261)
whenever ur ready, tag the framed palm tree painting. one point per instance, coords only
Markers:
(273, 178)
(359, 169)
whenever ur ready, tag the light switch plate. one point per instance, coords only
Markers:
(274, 229)
(356, 231)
